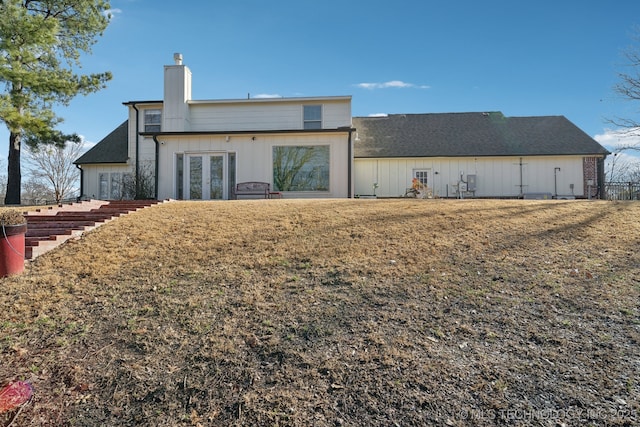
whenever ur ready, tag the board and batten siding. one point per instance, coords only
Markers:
(91, 176)
(254, 158)
(496, 176)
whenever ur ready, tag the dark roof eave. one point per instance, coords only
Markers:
(479, 155)
(142, 102)
(114, 162)
(345, 129)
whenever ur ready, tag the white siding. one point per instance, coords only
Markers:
(177, 91)
(336, 114)
(91, 174)
(254, 158)
(253, 152)
(132, 132)
(496, 176)
(246, 116)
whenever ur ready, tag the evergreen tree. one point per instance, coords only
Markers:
(40, 47)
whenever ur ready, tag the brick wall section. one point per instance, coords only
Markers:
(590, 172)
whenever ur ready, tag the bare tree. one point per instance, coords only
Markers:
(36, 192)
(621, 167)
(53, 166)
(628, 88)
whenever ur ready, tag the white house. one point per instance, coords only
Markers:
(311, 147)
(200, 149)
(476, 155)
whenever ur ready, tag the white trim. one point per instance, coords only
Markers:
(270, 100)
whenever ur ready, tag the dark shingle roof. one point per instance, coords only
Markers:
(111, 149)
(470, 134)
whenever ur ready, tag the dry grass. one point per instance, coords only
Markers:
(334, 312)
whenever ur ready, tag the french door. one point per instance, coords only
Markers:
(205, 176)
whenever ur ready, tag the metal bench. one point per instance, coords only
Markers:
(252, 188)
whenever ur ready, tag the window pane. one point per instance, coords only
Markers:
(301, 168)
(216, 172)
(152, 120)
(312, 116)
(116, 184)
(422, 176)
(232, 172)
(179, 176)
(195, 178)
(104, 186)
(313, 125)
(312, 112)
(152, 117)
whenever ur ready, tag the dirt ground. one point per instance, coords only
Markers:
(334, 313)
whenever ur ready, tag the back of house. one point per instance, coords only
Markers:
(189, 149)
(483, 154)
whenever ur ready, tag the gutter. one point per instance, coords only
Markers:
(248, 132)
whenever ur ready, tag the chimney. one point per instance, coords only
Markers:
(177, 94)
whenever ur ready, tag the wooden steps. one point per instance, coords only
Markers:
(50, 227)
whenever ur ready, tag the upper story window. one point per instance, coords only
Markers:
(312, 116)
(152, 120)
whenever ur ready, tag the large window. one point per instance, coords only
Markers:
(152, 120)
(312, 116)
(116, 186)
(301, 168)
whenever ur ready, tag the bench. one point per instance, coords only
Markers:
(252, 189)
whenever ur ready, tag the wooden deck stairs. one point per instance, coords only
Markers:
(50, 227)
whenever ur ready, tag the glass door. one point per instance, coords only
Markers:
(205, 177)
(216, 177)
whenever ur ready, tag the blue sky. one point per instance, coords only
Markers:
(523, 58)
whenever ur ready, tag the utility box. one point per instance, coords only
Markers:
(471, 182)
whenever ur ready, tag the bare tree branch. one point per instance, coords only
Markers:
(628, 88)
(53, 166)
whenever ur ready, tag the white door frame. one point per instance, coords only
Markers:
(205, 174)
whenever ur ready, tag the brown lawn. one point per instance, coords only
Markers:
(334, 313)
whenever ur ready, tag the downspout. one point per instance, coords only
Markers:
(137, 173)
(157, 167)
(601, 178)
(350, 165)
(555, 182)
(521, 182)
(81, 182)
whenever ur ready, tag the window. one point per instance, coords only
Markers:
(312, 116)
(116, 186)
(179, 176)
(103, 190)
(231, 178)
(152, 120)
(422, 176)
(301, 168)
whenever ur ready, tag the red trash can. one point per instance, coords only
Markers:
(12, 249)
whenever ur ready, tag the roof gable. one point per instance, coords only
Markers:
(111, 149)
(470, 134)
